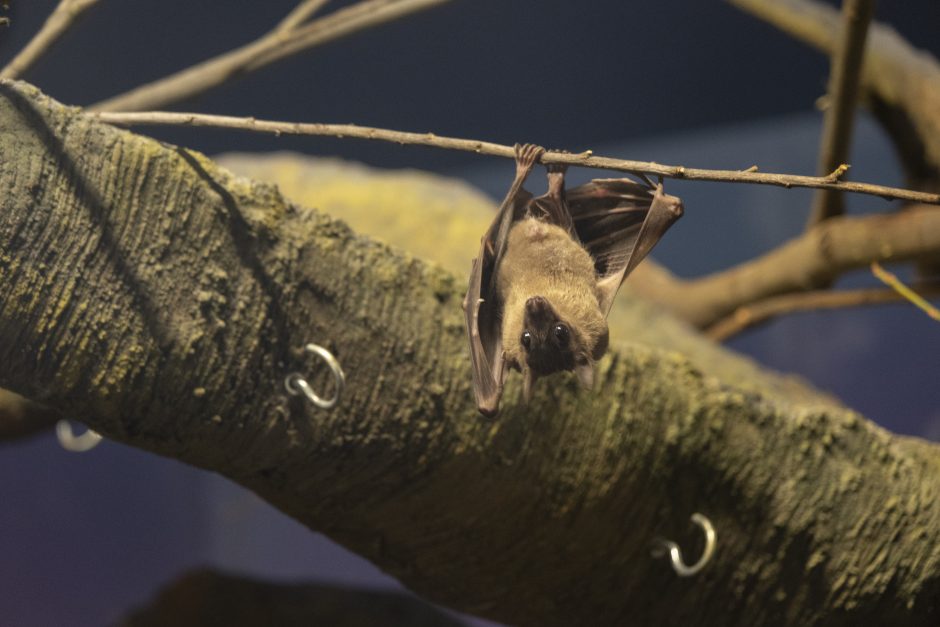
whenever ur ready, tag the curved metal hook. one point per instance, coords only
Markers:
(675, 555)
(296, 384)
(76, 443)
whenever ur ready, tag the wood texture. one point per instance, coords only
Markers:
(163, 301)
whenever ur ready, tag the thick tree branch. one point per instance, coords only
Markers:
(56, 25)
(814, 258)
(584, 159)
(163, 301)
(900, 83)
(287, 38)
(204, 598)
(843, 91)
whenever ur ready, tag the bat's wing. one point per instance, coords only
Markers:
(619, 221)
(481, 305)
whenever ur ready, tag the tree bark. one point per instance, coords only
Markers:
(163, 302)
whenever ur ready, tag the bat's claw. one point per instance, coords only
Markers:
(557, 167)
(526, 157)
(556, 179)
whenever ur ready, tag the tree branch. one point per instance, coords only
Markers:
(843, 92)
(900, 83)
(585, 159)
(712, 302)
(56, 25)
(286, 39)
(753, 314)
(814, 258)
(163, 302)
(300, 14)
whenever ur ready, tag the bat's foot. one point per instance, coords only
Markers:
(556, 179)
(527, 155)
(669, 207)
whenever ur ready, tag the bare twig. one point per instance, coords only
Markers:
(843, 93)
(58, 22)
(764, 310)
(300, 14)
(815, 258)
(585, 159)
(277, 44)
(900, 83)
(904, 291)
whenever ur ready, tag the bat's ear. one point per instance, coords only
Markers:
(528, 383)
(585, 372)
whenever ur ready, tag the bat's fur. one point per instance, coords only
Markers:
(543, 260)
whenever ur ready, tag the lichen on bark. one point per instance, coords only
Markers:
(163, 300)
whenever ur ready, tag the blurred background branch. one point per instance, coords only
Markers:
(839, 118)
(59, 22)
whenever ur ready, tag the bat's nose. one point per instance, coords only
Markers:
(539, 315)
(537, 305)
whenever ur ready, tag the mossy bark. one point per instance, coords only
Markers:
(163, 301)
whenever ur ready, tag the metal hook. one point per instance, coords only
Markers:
(76, 443)
(296, 384)
(675, 555)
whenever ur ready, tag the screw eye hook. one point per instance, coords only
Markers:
(76, 443)
(675, 555)
(297, 385)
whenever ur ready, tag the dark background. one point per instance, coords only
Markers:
(84, 537)
(560, 73)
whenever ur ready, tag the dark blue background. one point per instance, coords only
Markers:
(84, 537)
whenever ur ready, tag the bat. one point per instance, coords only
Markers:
(548, 271)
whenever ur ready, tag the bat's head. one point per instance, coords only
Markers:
(551, 341)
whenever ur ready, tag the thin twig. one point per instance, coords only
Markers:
(843, 94)
(57, 23)
(273, 46)
(585, 159)
(900, 82)
(904, 291)
(300, 14)
(761, 311)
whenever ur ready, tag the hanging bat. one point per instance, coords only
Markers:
(548, 271)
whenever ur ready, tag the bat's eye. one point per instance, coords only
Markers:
(562, 334)
(526, 339)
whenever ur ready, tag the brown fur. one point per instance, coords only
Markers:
(542, 259)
